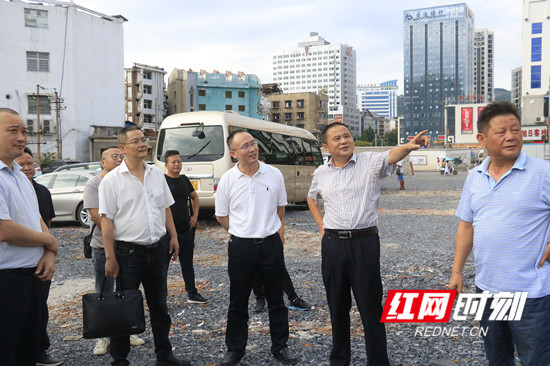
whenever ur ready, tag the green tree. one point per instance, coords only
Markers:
(323, 90)
(367, 135)
(391, 137)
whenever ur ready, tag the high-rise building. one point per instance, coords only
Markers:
(145, 95)
(378, 98)
(58, 48)
(535, 61)
(483, 66)
(515, 94)
(319, 66)
(438, 65)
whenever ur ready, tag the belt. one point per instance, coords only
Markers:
(253, 240)
(135, 246)
(21, 271)
(352, 234)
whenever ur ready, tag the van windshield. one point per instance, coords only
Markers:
(202, 143)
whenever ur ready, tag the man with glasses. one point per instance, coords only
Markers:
(135, 200)
(183, 193)
(110, 159)
(250, 205)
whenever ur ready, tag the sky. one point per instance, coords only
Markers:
(242, 35)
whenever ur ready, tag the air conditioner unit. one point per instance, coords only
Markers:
(46, 130)
(540, 119)
(30, 129)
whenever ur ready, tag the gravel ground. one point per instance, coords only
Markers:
(417, 229)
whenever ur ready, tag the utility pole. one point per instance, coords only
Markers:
(57, 101)
(38, 122)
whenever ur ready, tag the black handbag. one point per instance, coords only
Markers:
(86, 241)
(111, 314)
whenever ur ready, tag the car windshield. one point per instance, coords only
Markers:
(194, 143)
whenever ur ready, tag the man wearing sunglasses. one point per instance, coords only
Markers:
(250, 205)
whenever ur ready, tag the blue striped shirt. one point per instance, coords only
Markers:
(511, 222)
(351, 193)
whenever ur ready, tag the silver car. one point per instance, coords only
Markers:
(67, 189)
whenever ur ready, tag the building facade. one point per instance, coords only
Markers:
(438, 65)
(145, 106)
(318, 66)
(190, 91)
(305, 110)
(484, 66)
(535, 85)
(378, 98)
(515, 93)
(56, 48)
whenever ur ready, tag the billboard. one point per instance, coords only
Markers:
(467, 120)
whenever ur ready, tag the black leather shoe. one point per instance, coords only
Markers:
(286, 356)
(47, 360)
(231, 359)
(172, 360)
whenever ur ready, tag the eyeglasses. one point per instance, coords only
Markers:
(143, 140)
(247, 146)
(117, 156)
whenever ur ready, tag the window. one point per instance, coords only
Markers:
(242, 108)
(275, 105)
(65, 181)
(147, 75)
(38, 61)
(147, 103)
(535, 76)
(228, 107)
(300, 103)
(288, 104)
(148, 118)
(536, 49)
(241, 94)
(202, 107)
(35, 18)
(536, 28)
(147, 89)
(300, 115)
(276, 117)
(202, 92)
(288, 116)
(45, 106)
(228, 94)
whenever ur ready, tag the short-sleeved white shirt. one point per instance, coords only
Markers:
(251, 203)
(18, 203)
(138, 210)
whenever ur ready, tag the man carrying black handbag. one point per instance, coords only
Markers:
(135, 199)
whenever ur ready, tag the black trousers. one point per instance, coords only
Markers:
(247, 258)
(354, 264)
(186, 241)
(20, 317)
(288, 287)
(145, 265)
(44, 337)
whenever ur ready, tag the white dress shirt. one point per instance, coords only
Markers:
(138, 210)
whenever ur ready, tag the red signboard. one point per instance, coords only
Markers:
(338, 118)
(467, 120)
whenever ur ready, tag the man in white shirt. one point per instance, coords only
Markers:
(27, 250)
(135, 200)
(250, 205)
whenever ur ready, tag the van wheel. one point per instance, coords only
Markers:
(82, 216)
(455, 172)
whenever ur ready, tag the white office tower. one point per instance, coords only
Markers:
(319, 66)
(483, 66)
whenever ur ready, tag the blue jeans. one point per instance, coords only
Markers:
(145, 265)
(98, 259)
(530, 335)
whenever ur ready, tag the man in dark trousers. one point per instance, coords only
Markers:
(45, 205)
(183, 193)
(27, 250)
